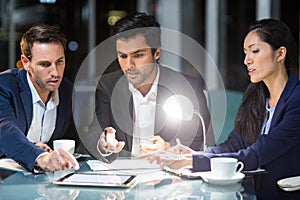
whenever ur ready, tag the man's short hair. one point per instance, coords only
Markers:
(139, 24)
(41, 33)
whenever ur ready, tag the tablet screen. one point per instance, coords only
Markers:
(96, 180)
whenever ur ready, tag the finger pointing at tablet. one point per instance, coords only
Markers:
(57, 160)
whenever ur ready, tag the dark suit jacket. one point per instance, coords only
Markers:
(114, 107)
(277, 152)
(16, 116)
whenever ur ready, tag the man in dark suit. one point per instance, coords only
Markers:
(35, 103)
(131, 99)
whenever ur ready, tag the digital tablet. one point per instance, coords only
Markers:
(95, 179)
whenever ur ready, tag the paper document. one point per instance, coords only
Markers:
(122, 164)
(256, 171)
(10, 164)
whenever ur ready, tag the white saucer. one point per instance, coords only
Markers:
(290, 184)
(209, 178)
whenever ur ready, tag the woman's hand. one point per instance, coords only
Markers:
(180, 149)
(169, 159)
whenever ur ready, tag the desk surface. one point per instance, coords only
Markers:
(19, 185)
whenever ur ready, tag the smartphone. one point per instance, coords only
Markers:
(96, 179)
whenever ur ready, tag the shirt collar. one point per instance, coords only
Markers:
(267, 106)
(54, 99)
(151, 95)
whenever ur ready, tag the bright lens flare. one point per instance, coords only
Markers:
(179, 107)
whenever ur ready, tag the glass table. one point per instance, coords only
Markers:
(155, 184)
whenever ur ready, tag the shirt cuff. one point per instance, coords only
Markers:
(37, 169)
(201, 162)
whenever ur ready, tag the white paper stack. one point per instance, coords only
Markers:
(10, 164)
(130, 165)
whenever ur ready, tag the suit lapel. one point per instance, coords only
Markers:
(26, 97)
(288, 90)
(161, 127)
(123, 109)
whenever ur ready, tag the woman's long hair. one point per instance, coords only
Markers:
(251, 113)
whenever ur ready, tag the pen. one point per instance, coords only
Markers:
(179, 144)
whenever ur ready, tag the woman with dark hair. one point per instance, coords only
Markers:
(267, 125)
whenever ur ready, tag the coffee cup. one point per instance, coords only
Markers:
(67, 145)
(224, 167)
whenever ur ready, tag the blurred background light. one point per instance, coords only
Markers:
(115, 15)
(73, 45)
(47, 1)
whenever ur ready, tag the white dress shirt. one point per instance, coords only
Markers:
(44, 116)
(144, 114)
(268, 119)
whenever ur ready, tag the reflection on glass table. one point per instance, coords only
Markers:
(156, 184)
(224, 192)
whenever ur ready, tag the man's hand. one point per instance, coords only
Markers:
(57, 160)
(158, 143)
(44, 146)
(109, 146)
